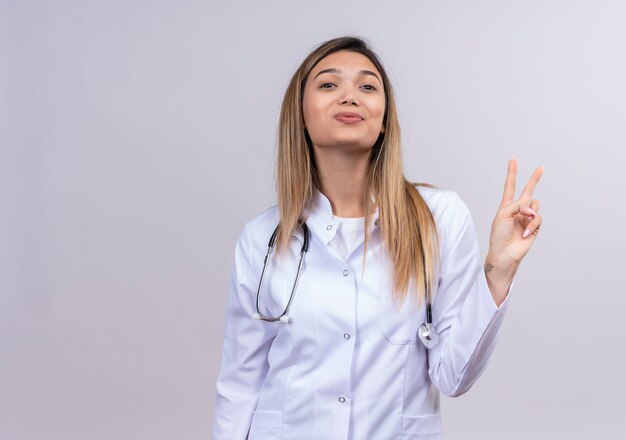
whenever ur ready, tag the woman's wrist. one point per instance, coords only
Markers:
(499, 277)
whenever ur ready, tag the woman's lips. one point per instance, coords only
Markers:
(348, 118)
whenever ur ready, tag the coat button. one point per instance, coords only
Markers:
(342, 399)
(345, 273)
(346, 336)
(329, 227)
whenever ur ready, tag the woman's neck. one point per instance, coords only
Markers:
(343, 180)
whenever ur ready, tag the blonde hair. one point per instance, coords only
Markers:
(407, 227)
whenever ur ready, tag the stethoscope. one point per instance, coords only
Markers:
(426, 331)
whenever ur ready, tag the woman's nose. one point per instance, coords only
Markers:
(349, 98)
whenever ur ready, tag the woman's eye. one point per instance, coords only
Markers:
(368, 87)
(327, 86)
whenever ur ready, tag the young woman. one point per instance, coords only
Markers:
(390, 306)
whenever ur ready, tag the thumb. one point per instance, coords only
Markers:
(519, 206)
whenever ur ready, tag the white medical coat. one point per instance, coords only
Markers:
(348, 365)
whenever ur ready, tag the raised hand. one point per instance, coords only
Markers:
(513, 231)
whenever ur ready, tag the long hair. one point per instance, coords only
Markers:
(407, 227)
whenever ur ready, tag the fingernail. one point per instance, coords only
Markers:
(532, 210)
(526, 233)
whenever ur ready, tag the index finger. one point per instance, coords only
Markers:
(509, 184)
(527, 193)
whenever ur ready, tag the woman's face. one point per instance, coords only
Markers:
(344, 102)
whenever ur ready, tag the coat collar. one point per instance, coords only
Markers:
(319, 218)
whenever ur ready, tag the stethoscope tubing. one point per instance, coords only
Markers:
(426, 331)
(284, 317)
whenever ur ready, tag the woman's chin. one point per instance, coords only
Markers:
(348, 144)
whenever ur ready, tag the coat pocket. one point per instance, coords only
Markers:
(400, 331)
(426, 427)
(266, 425)
(401, 326)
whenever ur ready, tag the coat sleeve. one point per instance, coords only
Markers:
(247, 343)
(464, 313)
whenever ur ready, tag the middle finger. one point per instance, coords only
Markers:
(532, 183)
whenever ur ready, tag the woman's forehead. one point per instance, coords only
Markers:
(345, 60)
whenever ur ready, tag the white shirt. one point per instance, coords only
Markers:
(349, 232)
(348, 365)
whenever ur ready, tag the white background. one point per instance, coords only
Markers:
(138, 136)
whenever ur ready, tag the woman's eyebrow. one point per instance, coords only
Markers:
(361, 72)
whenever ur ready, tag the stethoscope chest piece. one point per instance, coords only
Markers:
(426, 331)
(428, 335)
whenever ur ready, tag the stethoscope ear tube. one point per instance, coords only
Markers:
(284, 317)
(305, 243)
(270, 245)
